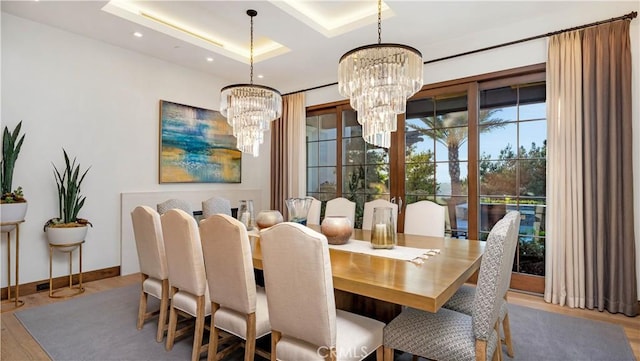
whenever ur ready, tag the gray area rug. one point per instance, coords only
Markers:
(102, 326)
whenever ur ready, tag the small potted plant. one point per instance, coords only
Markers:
(12, 201)
(68, 228)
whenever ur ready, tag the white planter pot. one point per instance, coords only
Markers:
(66, 235)
(12, 212)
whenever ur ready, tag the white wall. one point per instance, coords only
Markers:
(528, 53)
(100, 103)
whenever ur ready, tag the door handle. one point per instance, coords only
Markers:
(399, 203)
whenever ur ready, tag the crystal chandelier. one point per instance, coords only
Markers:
(250, 108)
(378, 79)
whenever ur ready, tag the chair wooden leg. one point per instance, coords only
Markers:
(250, 340)
(212, 355)
(506, 327)
(497, 354)
(380, 354)
(142, 310)
(388, 354)
(199, 330)
(164, 306)
(481, 350)
(415, 358)
(173, 321)
(275, 338)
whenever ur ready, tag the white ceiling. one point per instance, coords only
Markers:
(312, 35)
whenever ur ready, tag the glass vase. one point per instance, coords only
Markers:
(245, 213)
(298, 208)
(383, 230)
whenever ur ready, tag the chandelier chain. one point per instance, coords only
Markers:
(251, 52)
(379, 21)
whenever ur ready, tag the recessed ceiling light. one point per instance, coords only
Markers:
(351, 17)
(170, 25)
(260, 76)
(209, 59)
(137, 34)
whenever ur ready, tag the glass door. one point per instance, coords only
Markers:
(512, 169)
(434, 165)
(322, 170)
(365, 168)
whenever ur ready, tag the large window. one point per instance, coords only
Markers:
(512, 166)
(435, 164)
(356, 170)
(365, 168)
(476, 146)
(321, 156)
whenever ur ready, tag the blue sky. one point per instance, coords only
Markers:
(494, 141)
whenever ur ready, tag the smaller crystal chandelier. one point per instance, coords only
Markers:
(250, 108)
(378, 79)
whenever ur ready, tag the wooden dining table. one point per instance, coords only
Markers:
(378, 287)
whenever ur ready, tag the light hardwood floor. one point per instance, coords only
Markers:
(18, 345)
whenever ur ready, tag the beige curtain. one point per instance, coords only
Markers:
(608, 169)
(288, 152)
(564, 273)
(590, 253)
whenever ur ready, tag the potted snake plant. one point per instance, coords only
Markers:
(68, 228)
(12, 202)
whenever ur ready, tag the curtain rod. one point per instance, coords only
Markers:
(630, 16)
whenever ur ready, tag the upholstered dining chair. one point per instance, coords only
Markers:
(424, 218)
(147, 232)
(189, 294)
(215, 205)
(367, 218)
(313, 217)
(174, 203)
(341, 207)
(451, 335)
(305, 324)
(462, 300)
(237, 306)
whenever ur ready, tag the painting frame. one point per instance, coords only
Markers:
(196, 145)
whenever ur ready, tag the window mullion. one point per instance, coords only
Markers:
(339, 145)
(473, 183)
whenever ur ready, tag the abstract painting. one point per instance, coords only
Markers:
(196, 146)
